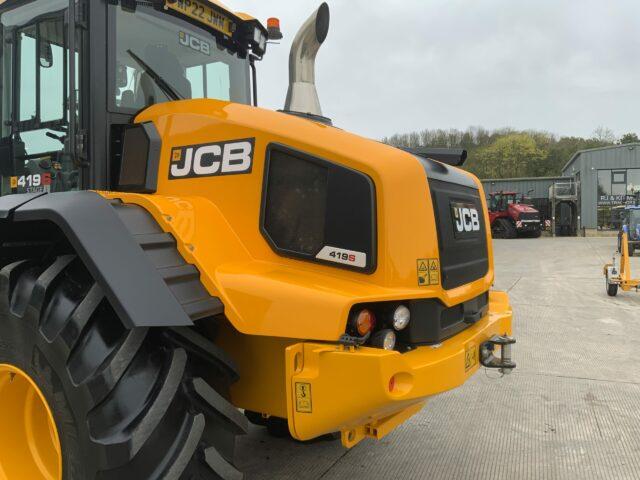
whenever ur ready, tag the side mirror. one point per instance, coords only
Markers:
(46, 54)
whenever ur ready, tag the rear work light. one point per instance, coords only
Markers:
(363, 322)
(401, 317)
(384, 339)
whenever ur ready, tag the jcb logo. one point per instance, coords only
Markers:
(465, 218)
(212, 159)
(195, 43)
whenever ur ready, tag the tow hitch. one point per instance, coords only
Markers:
(489, 360)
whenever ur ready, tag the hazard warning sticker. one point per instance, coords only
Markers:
(428, 272)
(303, 398)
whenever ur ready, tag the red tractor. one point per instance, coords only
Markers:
(511, 218)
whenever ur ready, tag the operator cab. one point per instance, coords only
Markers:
(64, 117)
(500, 201)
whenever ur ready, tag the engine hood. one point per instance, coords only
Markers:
(522, 208)
(270, 126)
(405, 216)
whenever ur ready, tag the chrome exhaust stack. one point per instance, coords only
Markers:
(302, 96)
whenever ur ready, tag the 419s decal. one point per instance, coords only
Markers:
(346, 257)
(212, 159)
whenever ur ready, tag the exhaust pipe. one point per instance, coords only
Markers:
(302, 96)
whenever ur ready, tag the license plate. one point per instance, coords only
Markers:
(470, 357)
(204, 14)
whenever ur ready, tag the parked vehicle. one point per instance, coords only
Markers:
(630, 226)
(511, 218)
(171, 254)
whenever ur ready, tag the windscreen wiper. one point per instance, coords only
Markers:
(168, 89)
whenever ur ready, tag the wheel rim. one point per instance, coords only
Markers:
(29, 442)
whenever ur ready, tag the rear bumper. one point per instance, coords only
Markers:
(333, 388)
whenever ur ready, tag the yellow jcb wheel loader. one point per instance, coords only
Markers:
(175, 260)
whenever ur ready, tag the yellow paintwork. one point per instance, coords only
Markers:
(285, 315)
(216, 223)
(349, 387)
(280, 308)
(29, 443)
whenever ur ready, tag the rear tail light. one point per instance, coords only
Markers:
(364, 322)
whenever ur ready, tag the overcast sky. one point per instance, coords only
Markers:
(564, 66)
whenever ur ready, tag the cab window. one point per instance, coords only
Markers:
(35, 155)
(186, 56)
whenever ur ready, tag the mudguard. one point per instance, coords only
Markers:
(134, 262)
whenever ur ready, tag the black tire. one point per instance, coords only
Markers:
(536, 234)
(632, 250)
(255, 418)
(497, 229)
(135, 403)
(612, 288)
(503, 228)
(278, 427)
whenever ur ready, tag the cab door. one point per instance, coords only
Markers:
(37, 150)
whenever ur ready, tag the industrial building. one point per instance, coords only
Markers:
(594, 187)
(609, 178)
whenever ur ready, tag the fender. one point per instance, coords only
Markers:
(134, 262)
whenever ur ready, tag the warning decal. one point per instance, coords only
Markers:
(303, 397)
(428, 271)
(470, 357)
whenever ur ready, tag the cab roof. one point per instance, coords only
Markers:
(241, 15)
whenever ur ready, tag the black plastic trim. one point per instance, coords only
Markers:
(439, 171)
(130, 282)
(432, 322)
(10, 203)
(309, 116)
(161, 250)
(372, 257)
(153, 150)
(450, 156)
(463, 258)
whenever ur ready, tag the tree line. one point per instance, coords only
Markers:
(509, 153)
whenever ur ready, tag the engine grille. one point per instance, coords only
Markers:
(463, 258)
(529, 216)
